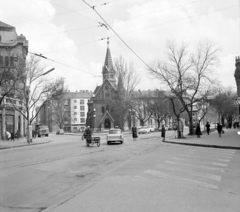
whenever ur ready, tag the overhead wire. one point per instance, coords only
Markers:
(46, 58)
(118, 36)
(156, 25)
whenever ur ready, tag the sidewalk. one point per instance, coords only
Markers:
(21, 142)
(229, 140)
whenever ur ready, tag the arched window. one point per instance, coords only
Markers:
(107, 108)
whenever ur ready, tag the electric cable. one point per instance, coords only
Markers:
(46, 58)
(119, 36)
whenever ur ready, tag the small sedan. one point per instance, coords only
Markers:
(115, 135)
(144, 130)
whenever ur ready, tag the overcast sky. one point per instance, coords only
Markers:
(69, 32)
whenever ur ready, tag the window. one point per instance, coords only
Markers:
(82, 120)
(82, 114)
(106, 87)
(103, 109)
(82, 101)
(111, 76)
(107, 108)
(75, 128)
(75, 107)
(75, 119)
(11, 61)
(107, 95)
(75, 113)
(75, 101)
(81, 107)
(6, 61)
(66, 102)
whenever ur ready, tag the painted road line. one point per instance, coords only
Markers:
(179, 179)
(188, 171)
(211, 152)
(217, 150)
(201, 157)
(196, 166)
(200, 162)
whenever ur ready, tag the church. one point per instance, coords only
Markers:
(101, 114)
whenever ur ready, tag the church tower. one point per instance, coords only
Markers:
(107, 70)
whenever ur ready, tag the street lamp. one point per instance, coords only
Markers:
(237, 78)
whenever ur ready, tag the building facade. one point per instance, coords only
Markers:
(13, 50)
(69, 112)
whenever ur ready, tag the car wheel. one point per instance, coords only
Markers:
(47, 135)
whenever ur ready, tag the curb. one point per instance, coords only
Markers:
(203, 145)
(10, 147)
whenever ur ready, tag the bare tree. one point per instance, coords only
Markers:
(141, 106)
(35, 89)
(159, 106)
(127, 80)
(188, 74)
(223, 102)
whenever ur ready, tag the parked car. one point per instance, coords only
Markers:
(60, 132)
(42, 130)
(152, 129)
(144, 130)
(115, 135)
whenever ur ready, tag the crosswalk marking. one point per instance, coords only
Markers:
(216, 150)
(202, 157)
(194, 173)
(213, 152)
(211, 155)
(200, 162)
(196, 166)
(182, 179)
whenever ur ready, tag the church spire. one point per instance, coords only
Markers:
(107, 71)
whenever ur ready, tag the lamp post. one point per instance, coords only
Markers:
(237, 78)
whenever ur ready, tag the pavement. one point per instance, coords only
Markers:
(229, 140)
(212, 140)
(22, 142)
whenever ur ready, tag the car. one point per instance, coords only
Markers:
(115, 135)
(152, 129)
(144, 130)
(60, 132)
(42, 130)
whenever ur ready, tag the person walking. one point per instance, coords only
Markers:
(219, 129)
(198, 131)
(208, 128)
(134, 133)
(163, 133)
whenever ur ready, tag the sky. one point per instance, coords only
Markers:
(70, 35)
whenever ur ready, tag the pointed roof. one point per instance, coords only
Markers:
(5, 25)
(107, 114)
(108, 65)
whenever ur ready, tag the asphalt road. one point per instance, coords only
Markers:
(143, 175)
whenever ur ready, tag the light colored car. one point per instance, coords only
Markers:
(115, 135)
(60, 132)
(42, 130)
(144, 130)
(152, 129)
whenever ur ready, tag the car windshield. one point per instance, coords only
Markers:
(43, 127)
(114, 131)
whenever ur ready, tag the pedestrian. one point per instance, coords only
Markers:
(134, 133)
(208, 128)
(163, 133)
(198, 131)
(219, 129)
(12, 136)
(8, 135)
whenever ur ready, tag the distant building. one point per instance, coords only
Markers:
(71, 109)
(13, 49)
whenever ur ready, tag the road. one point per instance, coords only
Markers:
(43, 177)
